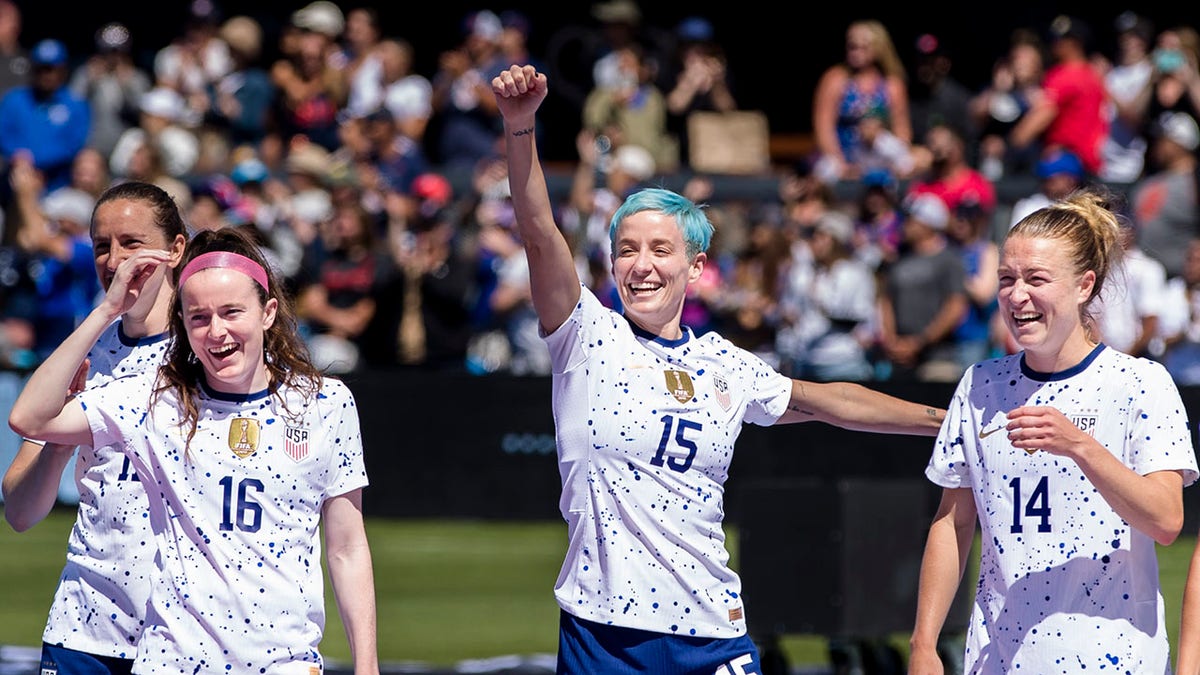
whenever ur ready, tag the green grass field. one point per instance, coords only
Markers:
(447, 590)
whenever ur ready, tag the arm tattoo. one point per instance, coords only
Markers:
(795, 407)
(523, 132)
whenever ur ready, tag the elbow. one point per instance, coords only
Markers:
(17, 520)
(14, 512)
(1166, 531)
(1166, 538)
(22, 424)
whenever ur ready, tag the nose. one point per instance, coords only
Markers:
(217, 328)
(641, 262)
(1018, 293)
(115, 257)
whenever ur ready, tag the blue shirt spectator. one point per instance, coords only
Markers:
(44, 118)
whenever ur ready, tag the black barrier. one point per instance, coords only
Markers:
(483, 447)
(831, 523)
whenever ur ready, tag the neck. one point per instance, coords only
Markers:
(668, 331)
(1071, 353)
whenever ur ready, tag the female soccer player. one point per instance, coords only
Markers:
(647, 415)
(244, 450)
(1072, 457)
(100, 605)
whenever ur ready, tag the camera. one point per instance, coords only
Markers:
(1168, 60)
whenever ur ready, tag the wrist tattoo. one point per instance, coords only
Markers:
(523, 132)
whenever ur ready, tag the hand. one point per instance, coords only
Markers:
(519, 91)
(79, 381)
(925, 662)
(140, 275)
(1034, 428)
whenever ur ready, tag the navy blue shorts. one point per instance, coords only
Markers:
(63, 661)
(586, 648)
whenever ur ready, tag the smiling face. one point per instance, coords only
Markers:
(1041, 300)
(120, 228)
(226, 322)
(652, 270)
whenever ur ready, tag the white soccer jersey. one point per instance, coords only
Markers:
(1065, 585)
(100, 604)
(236, 517)
(646, 430)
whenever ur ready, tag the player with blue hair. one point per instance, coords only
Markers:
(647, 414)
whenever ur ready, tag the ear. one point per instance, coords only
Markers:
(697, 267)
(176, 249)
(269, 311)
(1086, 283)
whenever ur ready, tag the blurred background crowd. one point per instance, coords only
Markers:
(865, 247)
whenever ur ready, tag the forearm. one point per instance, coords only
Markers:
(1189, 624)
(351, 574)
(1152, 504)
(553, 280)
(43, 396)
(31, 482)
(942, 566)
(946, 320)
(853, 406)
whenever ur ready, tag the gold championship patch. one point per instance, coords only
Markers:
(243, 436)
(735, 614)
(679, 384)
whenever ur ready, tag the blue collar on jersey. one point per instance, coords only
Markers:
(1062, 374)
(234, 398)
(643, 333)
(137, 342)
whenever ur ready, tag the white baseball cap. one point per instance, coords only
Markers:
(929, 209)
(1180, 128)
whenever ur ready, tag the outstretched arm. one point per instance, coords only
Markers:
(853, 406)
(554, 282)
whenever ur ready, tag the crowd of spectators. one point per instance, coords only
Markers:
(380, 192)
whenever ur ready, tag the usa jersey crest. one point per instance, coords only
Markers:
(721, 388)
(295, 443)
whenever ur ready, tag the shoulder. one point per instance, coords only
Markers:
(1140, 369)
(834, 76)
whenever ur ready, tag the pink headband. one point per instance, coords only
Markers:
(226, 259)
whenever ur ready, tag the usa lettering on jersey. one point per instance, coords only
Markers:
(721, 386)
(295, 443)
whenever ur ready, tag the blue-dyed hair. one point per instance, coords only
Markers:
(693, 224)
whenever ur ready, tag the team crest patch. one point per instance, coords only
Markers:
(295, 443)
(679, 384)
(721, 388)
(243, 436)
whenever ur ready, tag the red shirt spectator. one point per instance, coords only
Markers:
(1071, 111)
(1077, 92)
